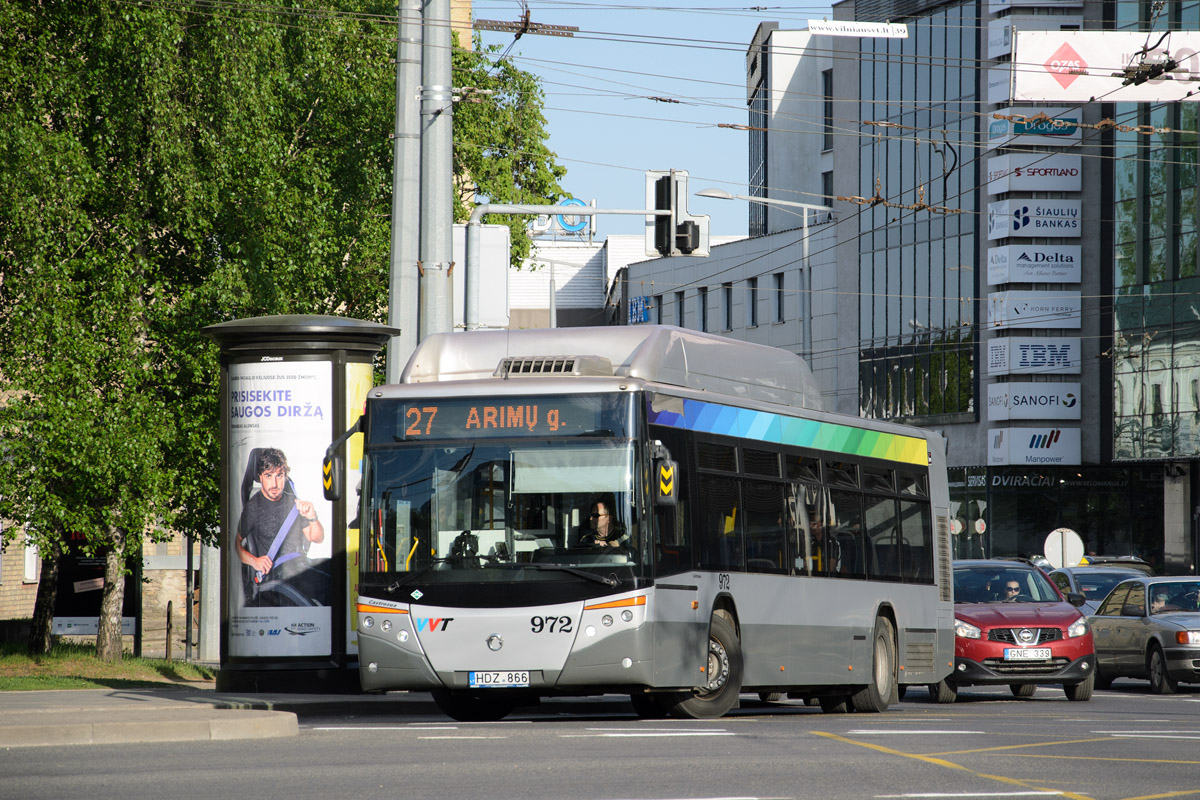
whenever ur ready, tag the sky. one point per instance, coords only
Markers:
(598, 84)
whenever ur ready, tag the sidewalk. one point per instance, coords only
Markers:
(177, 714)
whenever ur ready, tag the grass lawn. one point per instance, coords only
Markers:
(75, 666)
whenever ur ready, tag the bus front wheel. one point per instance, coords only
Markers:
(876, 695)
(724, 671)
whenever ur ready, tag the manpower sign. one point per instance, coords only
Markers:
(1046, 445)
(1089, 66)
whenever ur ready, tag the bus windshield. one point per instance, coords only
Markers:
(499, 511)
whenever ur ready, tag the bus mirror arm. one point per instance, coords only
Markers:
(333, 468)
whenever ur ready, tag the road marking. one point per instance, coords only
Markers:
(910, 733)
(974, 794)
(949, 765)
(650, 735)
(1018, 746)
(462, 737)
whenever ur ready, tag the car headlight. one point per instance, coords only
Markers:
(965, 630)
(1187, 637)
(1078, 628)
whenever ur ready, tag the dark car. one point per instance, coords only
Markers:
(1149, 628)
(1093, 582)
(1124, 562)
(1013, 627)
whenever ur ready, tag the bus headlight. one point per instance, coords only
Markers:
(368, 622)
(965, 630)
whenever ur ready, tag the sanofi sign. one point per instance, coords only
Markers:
(1025, 400)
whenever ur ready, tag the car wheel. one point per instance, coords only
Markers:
(1023, 689)
(874, 697)
(1081, 691)
(1161, 681)
(724, 671)
(943, 692)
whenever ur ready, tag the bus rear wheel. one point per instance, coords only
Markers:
(876, 695)
(724, 671)
(474, 706)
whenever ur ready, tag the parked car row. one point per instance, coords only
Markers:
(1079, 627)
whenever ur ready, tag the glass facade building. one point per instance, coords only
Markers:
(917, 286)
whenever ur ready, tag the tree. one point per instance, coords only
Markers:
(162, 169)
(499, 142)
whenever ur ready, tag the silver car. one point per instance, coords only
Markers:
(1149, 628)
(1094, 583)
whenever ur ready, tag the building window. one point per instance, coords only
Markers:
(827, 187)
(727, 290)
(752, 303)
(702, 301)
(679, 309)
(827, 93)
(31, 561)
(779, 297)
(658, 309)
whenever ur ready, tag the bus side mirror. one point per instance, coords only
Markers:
(666, 485)
(332, 472)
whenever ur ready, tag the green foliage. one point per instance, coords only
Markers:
(499, 142)
(166, 168)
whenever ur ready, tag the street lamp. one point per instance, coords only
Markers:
(806, 288)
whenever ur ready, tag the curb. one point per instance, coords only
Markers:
(128, 727)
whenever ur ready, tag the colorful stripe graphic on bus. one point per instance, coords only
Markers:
(766, 426)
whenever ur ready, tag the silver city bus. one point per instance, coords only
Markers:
(645, 510)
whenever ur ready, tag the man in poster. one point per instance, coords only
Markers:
(273, 536)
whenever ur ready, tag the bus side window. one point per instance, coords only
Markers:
(916, 552)
(766, 545)
(720, 523)
(882, 537)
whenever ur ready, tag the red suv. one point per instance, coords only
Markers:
(1012, 626)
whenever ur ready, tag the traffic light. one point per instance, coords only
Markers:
(678, 233)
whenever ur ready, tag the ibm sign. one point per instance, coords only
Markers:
(1045, 446)
(1058, 355)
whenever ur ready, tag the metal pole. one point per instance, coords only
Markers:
(187, 603)
(807, 296)
(437, 172)
(553, 307)
(404, 283)
(471, 299)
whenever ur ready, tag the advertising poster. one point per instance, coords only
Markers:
(359, 380)
(279, 583)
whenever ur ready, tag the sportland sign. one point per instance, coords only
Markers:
(1034, 172)
(1089, 66)
(1034, 263)
(1047, 445)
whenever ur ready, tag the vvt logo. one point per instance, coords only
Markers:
(1020, 218)
(1044, 441)
(430, 624)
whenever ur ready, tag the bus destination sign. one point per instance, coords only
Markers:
(474, 418)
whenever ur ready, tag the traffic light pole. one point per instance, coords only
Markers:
(471, 311)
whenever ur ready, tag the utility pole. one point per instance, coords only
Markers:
(404, 283)
(437, 171)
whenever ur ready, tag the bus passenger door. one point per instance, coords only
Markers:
(680, 636)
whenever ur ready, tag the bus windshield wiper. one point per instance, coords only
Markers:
(591, 576)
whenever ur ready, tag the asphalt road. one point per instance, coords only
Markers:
(1124, 743)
